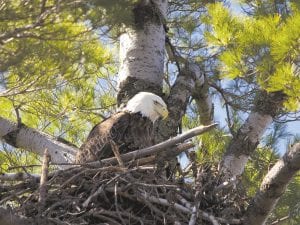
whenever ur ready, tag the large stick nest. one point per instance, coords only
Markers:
(116, 195)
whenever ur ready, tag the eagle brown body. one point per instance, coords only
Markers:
(130, 131)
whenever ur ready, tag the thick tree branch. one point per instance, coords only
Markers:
(180, 93)
(244, 143)
(273, 187)
(21, 136)
(204, 103)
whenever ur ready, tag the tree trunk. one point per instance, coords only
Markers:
(244, 143)
(142, 51)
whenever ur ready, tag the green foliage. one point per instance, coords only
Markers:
(264, 48)
(260, 163)
(50, 69)
(211, 146)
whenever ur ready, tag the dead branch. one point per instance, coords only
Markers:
(273, 186)
(152, 150)
(21, 176)
(198, 184)
(280, 220)
(116, 152)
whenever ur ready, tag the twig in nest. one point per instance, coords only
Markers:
(18, 176)
(99, 190)
(165, 202)
(116, 152)
(116, 203)
(44, 177)
(198, 183)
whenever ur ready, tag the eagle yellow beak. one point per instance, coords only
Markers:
(164, 113)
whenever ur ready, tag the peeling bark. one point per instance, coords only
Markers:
(244, 143)
(273, 187)
(35, 141)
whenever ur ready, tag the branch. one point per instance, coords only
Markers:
(177, 102)
(152, 150)
(204, 103)
(35, 141)
(18, 176)
(273, 187)
(244, 143)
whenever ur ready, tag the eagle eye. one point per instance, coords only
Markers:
(156, 102)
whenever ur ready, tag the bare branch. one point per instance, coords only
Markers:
(116, 152)
(152, 150)
(273, 187)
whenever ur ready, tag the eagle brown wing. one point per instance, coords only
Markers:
(130, 131)
(97, 146)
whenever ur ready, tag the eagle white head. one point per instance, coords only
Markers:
(149, 105)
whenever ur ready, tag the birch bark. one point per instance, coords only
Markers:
(272, 187)
(142, 51)
(35, 141)
(244, 143)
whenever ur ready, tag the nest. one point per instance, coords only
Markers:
(118, 195)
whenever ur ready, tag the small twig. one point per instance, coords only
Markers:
(116, 152)
(23, 166)
(198, 184)
(99, 190)
(116, 203)
(278, 221)
(43, 182)
(165, 202)
(18, 176)
(14, 195)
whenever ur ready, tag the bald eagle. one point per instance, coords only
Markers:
(130, 129)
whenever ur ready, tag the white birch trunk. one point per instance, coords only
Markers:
(247, 139)
(35, 141)
(142, 54)
(272, 187)
(142, 50)
(244, 143)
